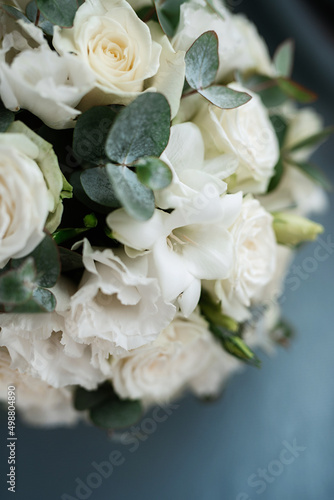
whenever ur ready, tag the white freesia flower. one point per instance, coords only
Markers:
(117, 306)
(188, 245)
(24, 200)
(245, 132)
(125, 55)
(254, 264)
(191, 173)
(174, 361)
(240, 46)
(46, 84)
(34, 342)
(37, 402)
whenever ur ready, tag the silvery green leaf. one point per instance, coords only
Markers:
(224, 97)
(202, 61)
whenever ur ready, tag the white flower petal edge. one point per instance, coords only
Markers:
(117, 306)
(190, 244)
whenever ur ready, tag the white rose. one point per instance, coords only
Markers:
(239, 45)
(254, 263)
(245, 132)
(34, 342)
(117, 307)
(37, 402)
(24, 200)
(126, 55)
(159, 371)
(185, 156)
(190, 244)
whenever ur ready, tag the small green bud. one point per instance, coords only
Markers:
(292, 229)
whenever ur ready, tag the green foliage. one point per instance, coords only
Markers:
(153, 173)
(14, 12)
(283, 58)
(32, 15)
(59, 12)
(312, 140)
(137, 199)
(90, 134)
(168, 13)
(313, 172)
(276, 178)
(116, 413)
(224, 97)
(97, 185)
(140, 129)
(202, 61)
(23, 282)
(85, 400)
(6, 118)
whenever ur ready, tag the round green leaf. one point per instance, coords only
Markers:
(90, 134)
(137, 199)
(153, 173)
(60, 12)
(224, 97)
(140, 129)
(97, 186)
(202, 61)
(116, 414)
(32, 11)
(17, 285)
(84, 400)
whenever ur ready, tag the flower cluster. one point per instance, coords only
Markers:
(154, 181)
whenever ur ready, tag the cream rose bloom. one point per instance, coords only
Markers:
(37, 402)
(240, 46)
(254, 263)
(24, 200)
(161, 370)
(245, 132)
(117, 306)
(125, 55)
(34, 342)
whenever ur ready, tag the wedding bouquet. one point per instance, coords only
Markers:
(154, 183)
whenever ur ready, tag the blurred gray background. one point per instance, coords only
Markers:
(212, 451)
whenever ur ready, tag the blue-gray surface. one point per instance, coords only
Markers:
(213, 451)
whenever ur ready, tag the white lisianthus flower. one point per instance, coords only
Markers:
(37, 402)
(239, 45)
(46, 84)
(117, 306)
(24, 200)
(245, 132)
(125, 55)
(34, 342)
(185, 156)
(159, 371)
(254, 264)
(188, 245)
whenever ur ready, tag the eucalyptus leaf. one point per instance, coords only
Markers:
(59, 12)
(81, 195)
(140, 129)
(47, 262)
(70, 260)
(312, 140)
(224, 97)
(296, 91)
(90, 134)
(14, 12)
(44, 24)
(168, 13)
(267, 88)
(85, 400)
(116, 413)
(6, 118)
(137, 199)
(313, 172)
(283, 58)
(17, 285)
(153, 173)
(42, 301)
(97, 185)
(202, 61)
(280, 126)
